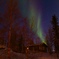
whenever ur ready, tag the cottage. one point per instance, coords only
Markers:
(37, 48)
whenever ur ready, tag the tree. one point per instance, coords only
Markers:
(50, 41)
(55, 25)
(55, 30)
(11, 15)
(13, 41)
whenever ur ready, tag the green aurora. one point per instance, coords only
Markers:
(34, 17)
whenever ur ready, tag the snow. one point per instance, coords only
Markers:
(14, 55)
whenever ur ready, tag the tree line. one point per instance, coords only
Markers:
(53, 35)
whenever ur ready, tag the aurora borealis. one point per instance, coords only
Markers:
(37, 12)
(39, 31)
(28, 9)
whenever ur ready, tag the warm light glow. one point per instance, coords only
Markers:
(27, 48)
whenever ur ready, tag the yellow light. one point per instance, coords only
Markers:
(27, 48)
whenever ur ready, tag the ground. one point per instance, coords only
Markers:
(14, 55)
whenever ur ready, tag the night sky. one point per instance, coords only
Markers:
(50, 7)
(46, 9)
(39, 10)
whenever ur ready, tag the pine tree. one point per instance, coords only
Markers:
(54, 23)
(49, 38)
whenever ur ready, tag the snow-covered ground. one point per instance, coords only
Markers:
(14, 55)
(42, 55)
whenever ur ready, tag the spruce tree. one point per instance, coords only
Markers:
(54, 23)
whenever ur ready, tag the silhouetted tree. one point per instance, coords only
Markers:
(55, 30)
(13, 41)
(54, 23)
(11, 15)
(50, 41)
(21, 44)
